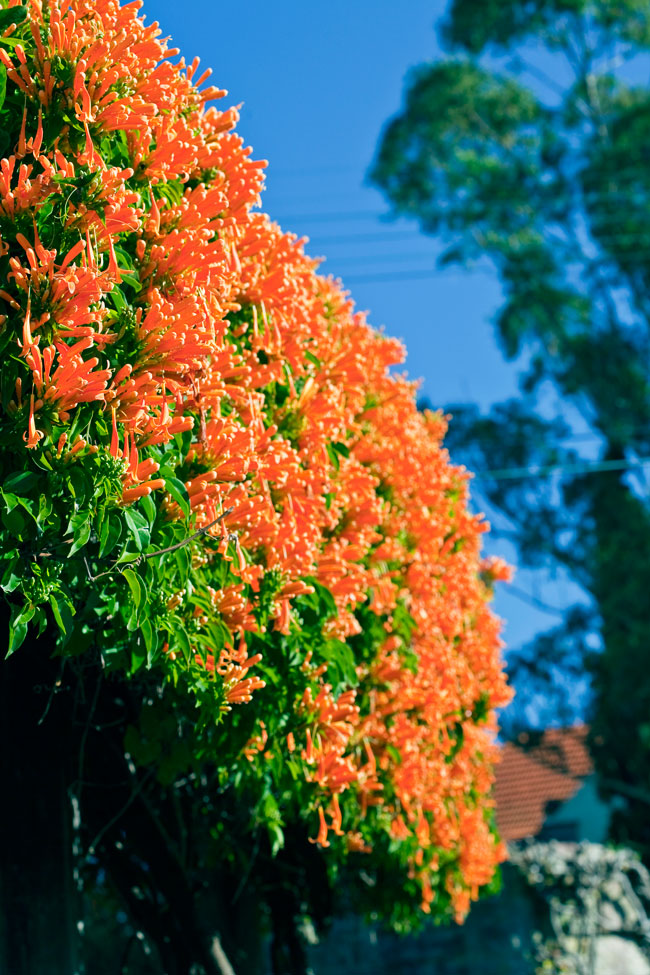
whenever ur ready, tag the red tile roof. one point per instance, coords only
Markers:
(532, 773)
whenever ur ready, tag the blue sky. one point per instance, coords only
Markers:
(318, 82)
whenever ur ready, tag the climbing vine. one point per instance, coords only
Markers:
(212, 482)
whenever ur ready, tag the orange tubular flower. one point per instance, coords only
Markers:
(289, 413)
(321, 839)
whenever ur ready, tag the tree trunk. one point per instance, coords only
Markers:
(37, 901)
(128, 825)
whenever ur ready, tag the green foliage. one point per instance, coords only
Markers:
(192, 424)
(474, 25)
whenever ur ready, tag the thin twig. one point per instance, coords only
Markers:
(201, 531)
(118, 815)
(126, 953)
(100, 575)
(87, 726)
(160, 551)
(53, 691)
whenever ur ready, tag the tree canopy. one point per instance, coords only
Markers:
(255, 559)
(526, 148)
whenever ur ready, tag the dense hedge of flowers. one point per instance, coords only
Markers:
(170, 354)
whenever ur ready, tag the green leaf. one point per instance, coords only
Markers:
(333, 456)
(326, 603)
(44, 509)
(63, 612)
(110, 533)
(45, 211)
(79, 484)
(150, 640)
(276, 835)
(394, 753)
(138, 595)
(79, 641)
(129, 274)
(14, 523)
(178, 491)
(335, 451)
(457, 734)
(3, 84)
(18, 626)
(182, 640)
(118, 299)
(137, 659)
(20, 482)
(13, 501)
(127, 557)
(182, 559)
(148, 506)
(340, 655)
(312, 358)
(9, 41)
(80, 527)
(135, 585)
(124, 259)
(14, 15)
(10, 579)
(25, 614)
(17, 634)
(138, 527)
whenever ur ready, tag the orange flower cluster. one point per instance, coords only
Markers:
(297, 423)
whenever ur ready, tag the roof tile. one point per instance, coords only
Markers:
(527, 778)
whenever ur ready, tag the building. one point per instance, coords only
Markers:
(545, 792)
(546, 789)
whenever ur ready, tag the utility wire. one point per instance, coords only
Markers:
(378, 268)
(316, 170)
(378, 258)
(417, 234)
(595, 174)
(327, 217)
(584, 467)
(532, 600)
(388, 276)
(621, 191)
(606, 196)
(370, 237)
(641, 257)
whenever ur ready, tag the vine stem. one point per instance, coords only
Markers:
(184, 541)
(160, 551)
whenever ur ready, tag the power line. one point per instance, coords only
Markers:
(620, 189)
(345, 215)
(618, 175)
(378, 258)
(599, 173)
(316, 170)
(604, 196)
(532, 600)
(418, 235)
(585, 467)
(326, 217)
(387, 237)
(414, 275)
(373, 273)
(399, 255)
(429, 235)
(370, 237)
